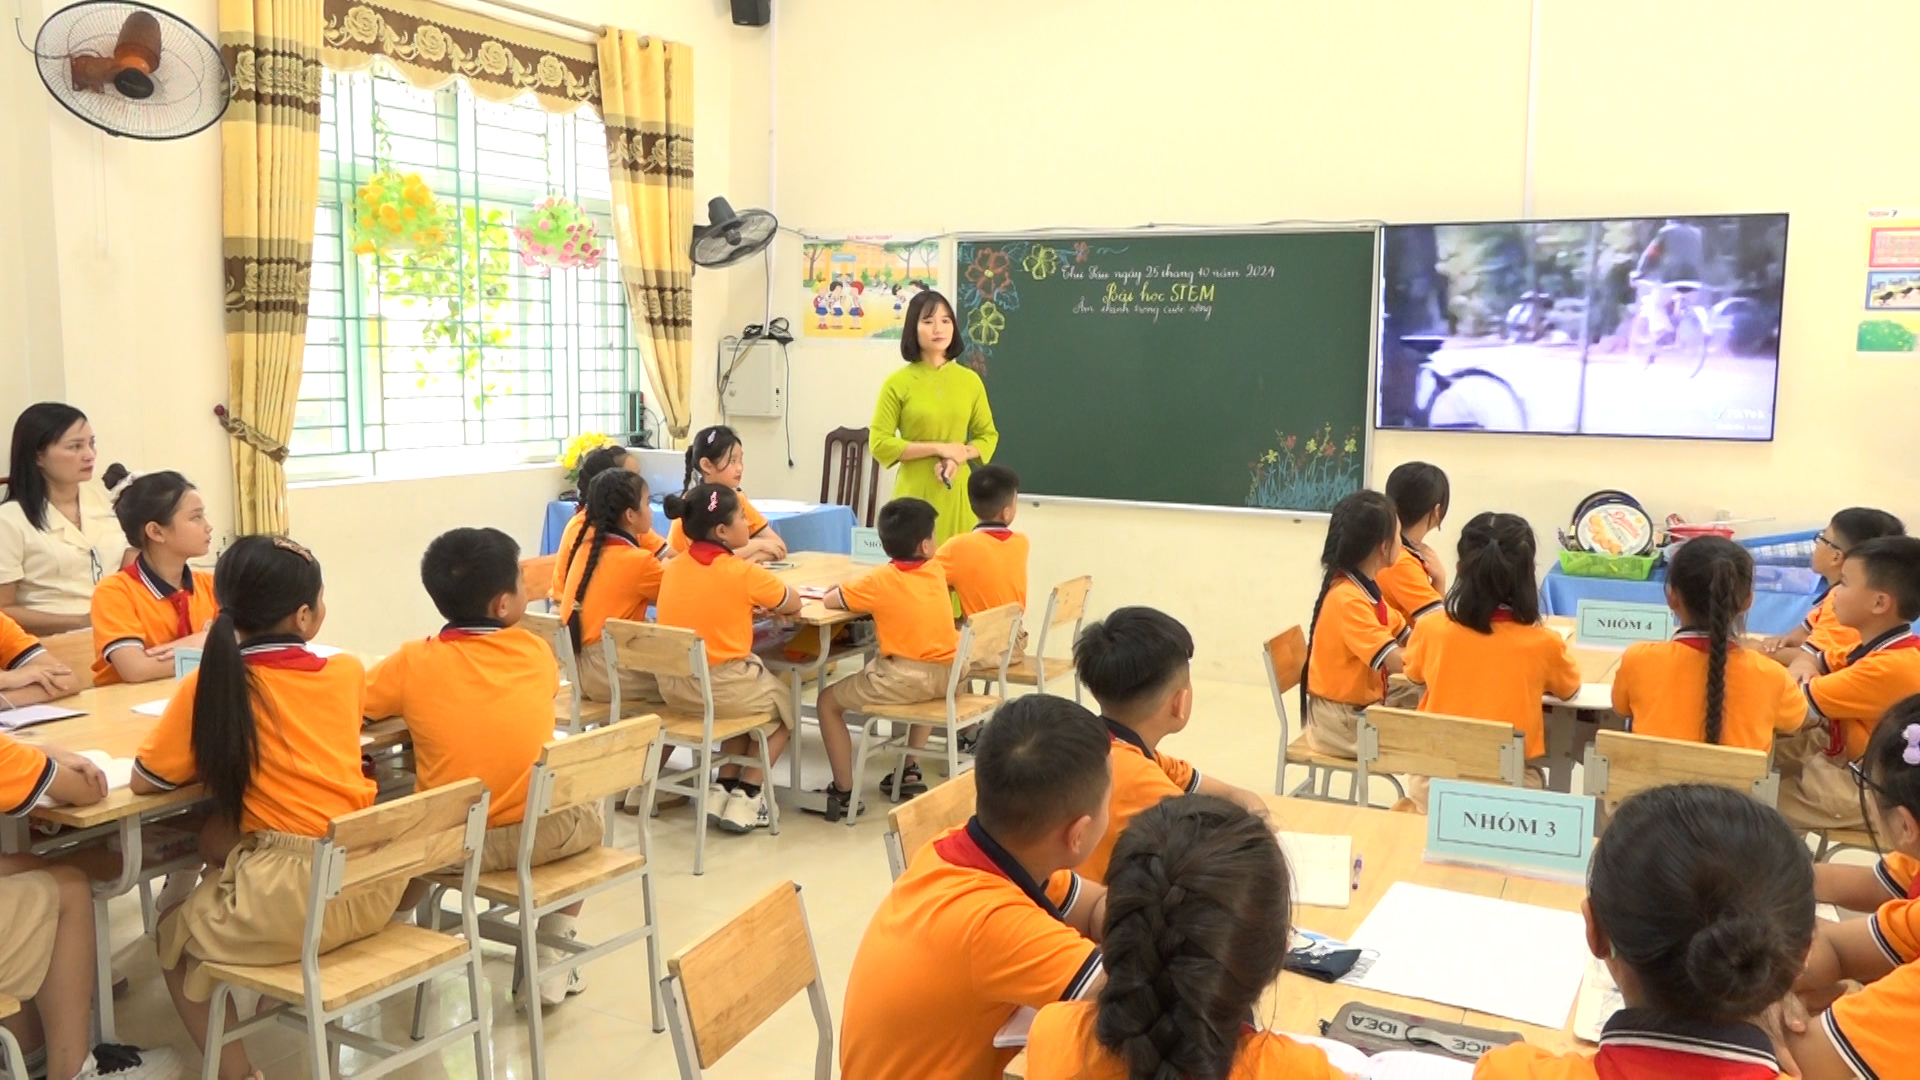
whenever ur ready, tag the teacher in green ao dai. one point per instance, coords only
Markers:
(932, 418)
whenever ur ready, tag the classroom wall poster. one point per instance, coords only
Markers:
(857, 287)
(1890, 301)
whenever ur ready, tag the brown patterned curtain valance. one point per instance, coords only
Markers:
(431, 44)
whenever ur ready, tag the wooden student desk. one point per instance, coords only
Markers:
(813, 570)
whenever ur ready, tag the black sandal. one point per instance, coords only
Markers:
(912, 783)
(838, 803)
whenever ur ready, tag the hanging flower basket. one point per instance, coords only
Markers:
(557, 234)
(396, 213)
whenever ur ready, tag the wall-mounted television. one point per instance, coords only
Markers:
(1664, 327)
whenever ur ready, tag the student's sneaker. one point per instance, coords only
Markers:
(716, 803)
(838, 804)
(559, 986)
(129, 1063)
(745, 813)
(911, 783)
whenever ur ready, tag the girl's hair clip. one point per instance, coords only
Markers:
(1912, 754)
(713, 506)
(285, 544)
(711, 436)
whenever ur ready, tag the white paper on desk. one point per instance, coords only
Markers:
(28, 715)
(1599, 999)
(119, 773)
(1322, 868)
(1411, 1065)
(152, 708)
(814, 592)
(1475, 953)
(1593, 695)
(1013, 1033)
(783, 506)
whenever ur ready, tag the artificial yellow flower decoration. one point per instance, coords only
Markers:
(396, 213)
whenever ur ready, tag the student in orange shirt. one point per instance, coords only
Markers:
(913, 617)
(1871, 1034)
(1487, 656)
(592, 464)
(1197, 928)
(610, 576)
(29, 674)
(1354, 638)
(1137, 664)
(157, 603)
(1700, 903)
(717, 456)
(273, 733)
(715, 593)
(1820, 632)
(1703, 686)
(1415, 583)
(477, 698)
(989, 917)
(1878, 596)
(987, 567)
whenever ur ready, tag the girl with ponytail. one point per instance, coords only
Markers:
(1196, 930)
(717, 456)
(1700, 903)
(610, 575)
(1354, 638)
(1704, 685)
(272, 731)
(592, 464)
(1416, 582)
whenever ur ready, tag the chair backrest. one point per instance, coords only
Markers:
(1445, 747)
(1066, 606)
(911, 824)
(74, 649)
(560, 641)
(649, 647)
(988, 638)
(420, 834)
(851, 446)
(536, 575)
(1619, 765)
(729, 982)
(591, 766)
(1286, 655)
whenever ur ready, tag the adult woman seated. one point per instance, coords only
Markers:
(58, 535)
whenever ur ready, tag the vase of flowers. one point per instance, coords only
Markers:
(396, 213)
(577, 448)
(557, 234)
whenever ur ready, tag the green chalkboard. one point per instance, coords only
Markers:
(1214, 369)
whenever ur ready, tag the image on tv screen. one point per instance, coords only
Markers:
(1659, 327)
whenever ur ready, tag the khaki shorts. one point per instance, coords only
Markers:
(1816, 791)
(742, 687)
(1333, 727)
(32, 903)
(557, 836)
(255, 912)
(635, 686)
(891, 680)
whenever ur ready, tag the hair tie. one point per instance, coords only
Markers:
(1912, 735)
(713, 503)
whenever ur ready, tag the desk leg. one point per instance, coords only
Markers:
(796, 797)
(131, 854)
(1560, 739)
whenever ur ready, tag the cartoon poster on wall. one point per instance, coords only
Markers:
(1890, 301)
(857, 288)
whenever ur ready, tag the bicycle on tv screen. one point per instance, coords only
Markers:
(1650, 327)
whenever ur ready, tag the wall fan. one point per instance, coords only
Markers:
(130, 69)
(730, 236)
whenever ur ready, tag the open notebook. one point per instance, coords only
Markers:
(119, 772)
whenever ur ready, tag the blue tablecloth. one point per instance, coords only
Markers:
(817, 528)
(1773, 612)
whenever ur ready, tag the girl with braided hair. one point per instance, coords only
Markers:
(1196, 930)
(610, 575)
(1354, 638)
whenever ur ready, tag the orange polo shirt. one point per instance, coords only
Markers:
(1636, 1045)
(135, 609)
(1874, 1029)
(912, 614)
(986, 568)
(1497, 676)
(712, 593)
(1825, 633)
(1900, 874)
(963, 938)
(1141, 778)
(17, 647)
(1662, 687)
(625, 583)
(756, 524)
(1355, 632)
(648, 541)
(1862, 685)
(1407, 588)
(26, 773)
(478, 701)
(1061, 1045)
(308, 714)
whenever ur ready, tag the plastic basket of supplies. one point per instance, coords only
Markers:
(1591, 564)
(1782, 549)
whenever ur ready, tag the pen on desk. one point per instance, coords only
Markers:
(1358, 862)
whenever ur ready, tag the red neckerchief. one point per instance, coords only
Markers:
(705, 551)
(1636, 1044)
(974, 849)
(999, 532)
(179, 599)
(463, 631)
(908, 566)
(282, 654)
(1502, 613)
(1373, 593)
(1698, 640)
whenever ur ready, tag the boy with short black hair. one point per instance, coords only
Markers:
(477, 698)
(1878, 596)
(987, 567)
(913, 619)
(1137, 663)
(988, 917)
(1820, 631)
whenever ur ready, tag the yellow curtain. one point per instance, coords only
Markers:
(270, 180)
(646, 91)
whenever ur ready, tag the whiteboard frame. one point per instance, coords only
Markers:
(1377, 227)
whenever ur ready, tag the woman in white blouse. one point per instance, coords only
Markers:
(58, 535)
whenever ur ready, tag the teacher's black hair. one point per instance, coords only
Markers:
(1713, 577)
(910, 326)
(713, 444)
(905, 524)
(1496, 571)
(1707, 895)
(703, 511)
(39, 426)
(152, 499)
(1359, 525)
(1416, 490)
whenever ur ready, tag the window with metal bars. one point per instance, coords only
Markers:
(472, 351)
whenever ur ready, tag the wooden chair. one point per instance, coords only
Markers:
(16, 1062)
(536, 577)
(985, 639)
(916, 821)
(1285, 658)
(1066, 604)
(1439, 746)
(571, 711)
(74, 649)
(373, 848)
(1619, 765)
(577, 771)
(1833, 841)
(672, 651)
(723, 986)
(851, 445)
